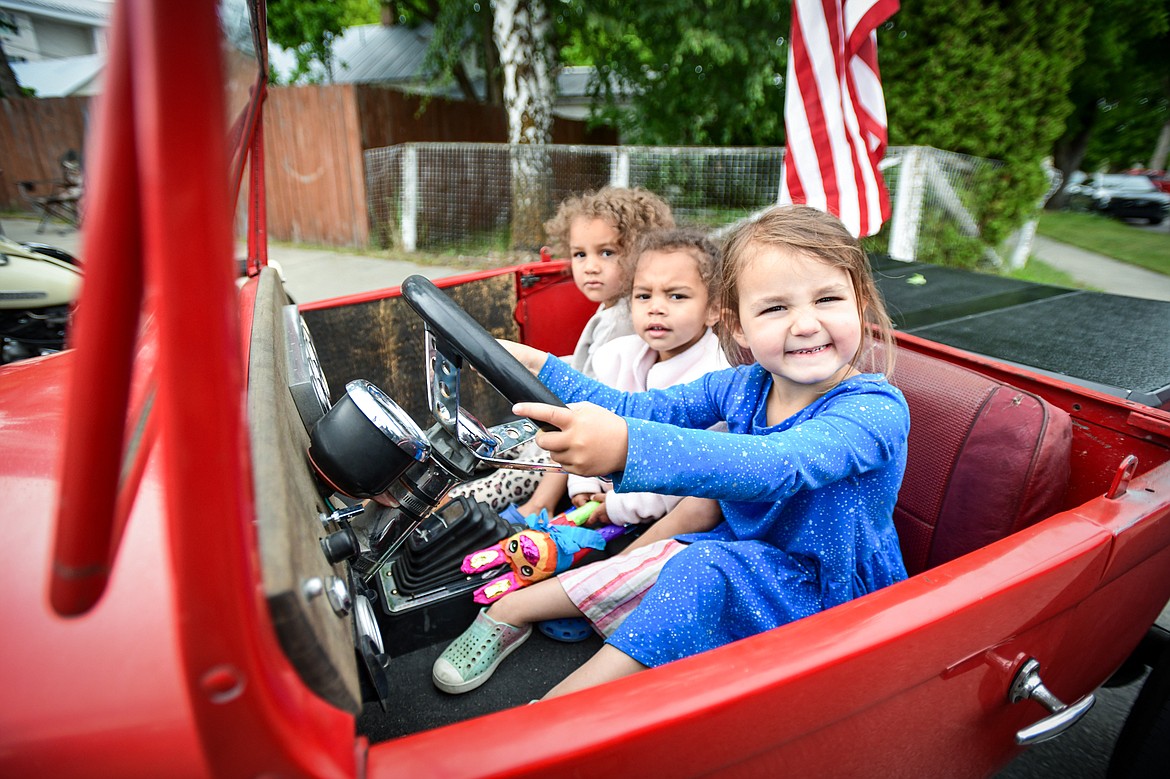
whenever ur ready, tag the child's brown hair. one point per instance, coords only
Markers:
(690, 241)
(816, 234)
(630, 211)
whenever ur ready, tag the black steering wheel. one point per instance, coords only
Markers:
(462, 335)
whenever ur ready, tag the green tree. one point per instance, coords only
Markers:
(513, 42)
(458, 27)
(1127, 127)
(309, 28)
(1119, 92)
(9, 86)
(989, 80)
(679, 72)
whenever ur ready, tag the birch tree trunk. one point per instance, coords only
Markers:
(522, 30)
(1161, 149)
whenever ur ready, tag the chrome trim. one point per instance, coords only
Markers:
(442, 385)
(341, 515)
(309, 350)
(389, 417)
(485, 444)
(509, 435)
(1028, 685)
(366, 623)
(474, 436)
(313, 587)
(338, 594)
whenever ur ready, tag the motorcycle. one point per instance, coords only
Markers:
(39, 285)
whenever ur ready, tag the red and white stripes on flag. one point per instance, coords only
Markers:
(834, 111)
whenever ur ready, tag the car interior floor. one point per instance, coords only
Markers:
(527, 674)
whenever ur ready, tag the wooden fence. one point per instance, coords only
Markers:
(314, 139)
(34, 134)
(313, 166)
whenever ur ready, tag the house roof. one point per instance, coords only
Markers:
(95, 13)
(368, 54)
(376, 53)
(62, 77)
(380, 54)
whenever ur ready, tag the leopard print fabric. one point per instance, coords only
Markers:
(505, 485)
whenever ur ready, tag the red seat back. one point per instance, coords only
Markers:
(985, 460)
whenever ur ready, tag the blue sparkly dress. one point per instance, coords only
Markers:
(807, 504)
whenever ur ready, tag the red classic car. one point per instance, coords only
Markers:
(184, 596)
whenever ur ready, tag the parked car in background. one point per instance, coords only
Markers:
(1160, 178)
(1123, 195)
(39, 285)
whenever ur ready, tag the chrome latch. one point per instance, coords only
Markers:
(1028, 684)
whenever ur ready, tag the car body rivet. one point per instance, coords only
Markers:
(222, 684)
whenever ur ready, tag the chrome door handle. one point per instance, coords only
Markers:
(1028, 684)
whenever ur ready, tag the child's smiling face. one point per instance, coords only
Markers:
(669, 303)
(799, 316)
(595, 251)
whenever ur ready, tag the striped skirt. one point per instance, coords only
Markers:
(607, 591)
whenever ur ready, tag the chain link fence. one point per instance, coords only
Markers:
(456, 198)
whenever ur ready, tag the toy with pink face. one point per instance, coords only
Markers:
(545, 549)
(530, 554)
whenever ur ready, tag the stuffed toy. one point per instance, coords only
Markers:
(545, 549)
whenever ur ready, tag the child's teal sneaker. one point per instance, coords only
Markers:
(472, 658)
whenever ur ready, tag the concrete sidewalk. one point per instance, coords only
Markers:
(318, 274)
(309, 274)
(1101, 272)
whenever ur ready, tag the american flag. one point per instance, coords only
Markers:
(834, 111)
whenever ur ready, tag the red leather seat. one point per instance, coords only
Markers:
(985, 460)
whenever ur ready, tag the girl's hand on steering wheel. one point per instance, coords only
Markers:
(530, 358)
(591, 441)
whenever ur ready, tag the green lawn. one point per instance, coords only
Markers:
(1041, 273)
(1111, 237)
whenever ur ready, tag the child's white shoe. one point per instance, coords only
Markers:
(472, 658)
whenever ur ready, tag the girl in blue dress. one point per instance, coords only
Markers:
(791, 510)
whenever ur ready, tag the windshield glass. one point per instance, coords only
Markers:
(241, 66)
